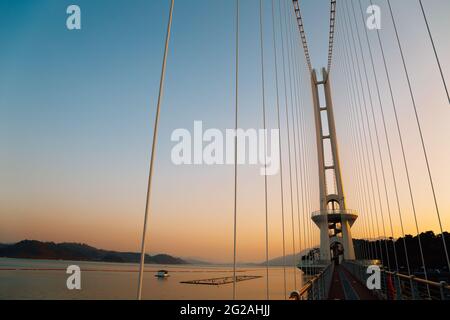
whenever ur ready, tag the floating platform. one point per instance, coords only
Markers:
(221, 281)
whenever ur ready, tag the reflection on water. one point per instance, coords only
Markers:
(43, 279)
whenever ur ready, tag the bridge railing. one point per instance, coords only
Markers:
(331, 212)
(396, 286)
(317, 288)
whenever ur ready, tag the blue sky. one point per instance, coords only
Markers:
(77, 108)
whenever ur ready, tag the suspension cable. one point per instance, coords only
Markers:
(422, 140)
(308, 184)
(263, 86)
(331, 35)
(354, 130)
(360, 133)
(287, 124)
(301, 148)
(236, 149)
(302, 32)
(366, 145)
(351, 130)
(337, 101)
(366, 131)
(410, 191)
(152, 159)
(400, 138)
(279, 142)
(304, 171)
(377, 183)
(356, 165)
(388, 144)
(378, 145)
(294, 163)
(376, 130)
(294, 103)
(434, 50)
(361, 203)
(361, 140)
(301, 220)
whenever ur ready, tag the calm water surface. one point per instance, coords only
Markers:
(44, 279)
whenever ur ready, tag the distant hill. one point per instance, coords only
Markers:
(432, 247)
(289, 260)
(32, 249)
(197, 261)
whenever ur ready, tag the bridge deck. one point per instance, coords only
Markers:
(344, 286)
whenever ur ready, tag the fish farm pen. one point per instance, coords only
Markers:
(221, 281)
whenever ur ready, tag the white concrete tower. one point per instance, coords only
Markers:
(334, 219)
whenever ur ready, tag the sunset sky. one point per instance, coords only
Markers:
(77, 111)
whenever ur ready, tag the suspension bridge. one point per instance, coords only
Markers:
(353, 96)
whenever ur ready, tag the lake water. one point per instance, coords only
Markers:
(44, 279)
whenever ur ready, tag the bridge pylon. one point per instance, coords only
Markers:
(333, 219)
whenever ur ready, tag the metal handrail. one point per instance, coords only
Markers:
(420, 280)
(404, 287)
(317, 288)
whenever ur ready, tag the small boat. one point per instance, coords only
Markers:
(162, 274)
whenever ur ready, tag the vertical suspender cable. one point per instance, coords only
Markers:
(366, 131)
(280, 147)
(303, 164)
(364, 246)
(377, 182)
(376, 131)
(288, 129)
(304, 172)
(360, 133)
(410, 189)
(307, 177)
(301, 146)
(400, 138)
(294, 163)
(152, 160)
(300, 150)
(386, 133)
(422, 140)
(302, 142)
(236, 150)
(359, 192)
(261, 32)
(301, 136)
(294, 102)
(354, 131)
(434, 49)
